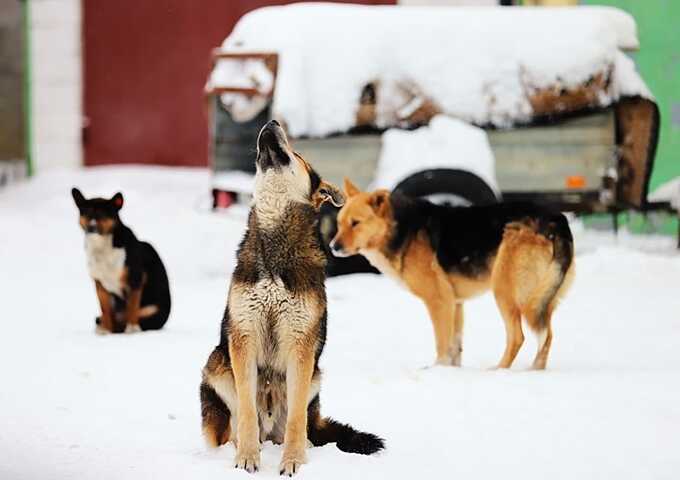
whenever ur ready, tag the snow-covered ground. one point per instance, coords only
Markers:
(77, 405)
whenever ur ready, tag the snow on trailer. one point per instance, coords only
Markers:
(570, 121)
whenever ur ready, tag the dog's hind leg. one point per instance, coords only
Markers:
(456, 345)
(544, 340)
(215, 417)
(151, 318)
(513, 330)
(540, 307)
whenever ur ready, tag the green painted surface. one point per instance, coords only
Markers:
(658, 60)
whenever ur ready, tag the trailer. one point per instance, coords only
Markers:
(578, 135)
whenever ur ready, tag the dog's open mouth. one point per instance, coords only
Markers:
(272, 147)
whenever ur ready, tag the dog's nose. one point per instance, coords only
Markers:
(336, 246)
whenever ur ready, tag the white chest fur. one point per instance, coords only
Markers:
(379, 261)
(277, 318)
(105, 262)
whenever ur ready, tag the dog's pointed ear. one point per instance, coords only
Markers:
(379, 201)
(77, 197)
(350, 188)
(117, 200)
(327, 192)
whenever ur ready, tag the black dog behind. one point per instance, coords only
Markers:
(130, 279)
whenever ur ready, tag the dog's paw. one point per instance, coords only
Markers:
(444, 361)
(99, 330)
(290, 464)
(248, 460)
(132, 328)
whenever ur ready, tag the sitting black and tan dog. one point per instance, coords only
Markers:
(129, 276)
(446, 255)
(262, 381)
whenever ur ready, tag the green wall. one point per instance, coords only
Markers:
(659, 62)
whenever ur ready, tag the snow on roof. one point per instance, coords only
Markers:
(445, 143)
(474, 62)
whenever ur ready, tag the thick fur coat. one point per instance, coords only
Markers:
(262, 381)
(446, 255)
(130, 278)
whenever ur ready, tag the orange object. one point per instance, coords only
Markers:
(576, 181)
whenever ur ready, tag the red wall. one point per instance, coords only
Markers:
(145, 65)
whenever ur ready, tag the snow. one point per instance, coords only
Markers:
(244, 74)
(234, 181)
(80, 406)
(445, 143)
(477, 64)
(667, 192)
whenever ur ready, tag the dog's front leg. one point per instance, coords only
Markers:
(133, 302)
(244, 366)
(298, 381)
(442, 317)
(104, 297)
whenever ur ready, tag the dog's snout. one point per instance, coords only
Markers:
(336, 245)
(338, 249)
(272, 146)
(271, 134)
(272, 127)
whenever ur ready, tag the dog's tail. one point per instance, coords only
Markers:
(321, 431)
(557, 230)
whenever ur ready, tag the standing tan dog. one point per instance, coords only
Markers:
(262, 381)
(446, 255)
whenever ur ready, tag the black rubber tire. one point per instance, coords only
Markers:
(460, 183)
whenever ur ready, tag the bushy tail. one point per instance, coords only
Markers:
(346, 438)
(321, 431)
(558, 231)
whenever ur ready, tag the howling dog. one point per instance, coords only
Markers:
(262, 381)
(446, 255)
(129, 276)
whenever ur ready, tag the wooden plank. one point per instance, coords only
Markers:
(217, 54)
(595, 129)
(334, 158)
(248, 91)
(541, 167)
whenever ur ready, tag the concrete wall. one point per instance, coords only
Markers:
(56, 83)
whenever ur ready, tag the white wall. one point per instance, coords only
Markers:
(56, 63)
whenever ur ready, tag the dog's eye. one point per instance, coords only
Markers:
(355, 223)
(323, 191)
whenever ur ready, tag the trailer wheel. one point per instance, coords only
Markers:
(443, 185)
